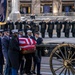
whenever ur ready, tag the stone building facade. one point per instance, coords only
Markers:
(44, 6)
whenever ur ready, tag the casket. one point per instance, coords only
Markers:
(27, 45)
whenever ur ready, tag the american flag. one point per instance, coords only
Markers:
(27, 44)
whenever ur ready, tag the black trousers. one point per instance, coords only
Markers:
(43, 34)
(50, 34)
(37, 63)
(1, 69)
(28, 63)
(59, 34)
(73, 34)
(21, 64)
(25, 33)
(67, 34)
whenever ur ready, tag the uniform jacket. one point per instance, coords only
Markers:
(67, 26)
(39, 49)
(11, 25)
(73, 27)
(18, 25)
(33, 26)
(50, 26)
(1, 54)
(5, 43)
(43, 26)
(58, 26)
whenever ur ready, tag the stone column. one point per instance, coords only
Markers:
(57, 6)
(35, 6)
(15, 14)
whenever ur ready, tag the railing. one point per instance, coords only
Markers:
(51, 14)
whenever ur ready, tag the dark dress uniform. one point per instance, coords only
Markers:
(26, 27)
(50, 28)
(28, 58)
(18, 25)
(2, 26)
(37, 28)
(1, 58)
(37, 57)
(73, 29)
(33, 26)
(5, 26)
(14, 53)
(43, 28)
(11, 26)
(67, 26)
(58, 28)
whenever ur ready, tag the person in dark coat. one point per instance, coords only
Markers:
(73, 28)
(67, 26)
(18, 25)
(5, 47)
(50, 28)
(43, 28)
(58, 28)
(1, 55)
(14, 53)
(37, 59)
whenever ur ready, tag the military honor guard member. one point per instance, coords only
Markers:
(37, 28)
(67, 26)
(18, 25)
(33, 26)
(73, 28)
(26, 27)
(37, 63)
(1, 54)
(50, 28)
(43, 28)
(11, 26)
(58, 28)
(28, 56)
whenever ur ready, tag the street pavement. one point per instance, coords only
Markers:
(45, 66)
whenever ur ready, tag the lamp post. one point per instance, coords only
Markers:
(15, 14)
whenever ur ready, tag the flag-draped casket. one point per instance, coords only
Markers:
(27, 45)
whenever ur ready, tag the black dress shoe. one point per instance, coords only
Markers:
(39, 74)
(28, 74)
(33, 72)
